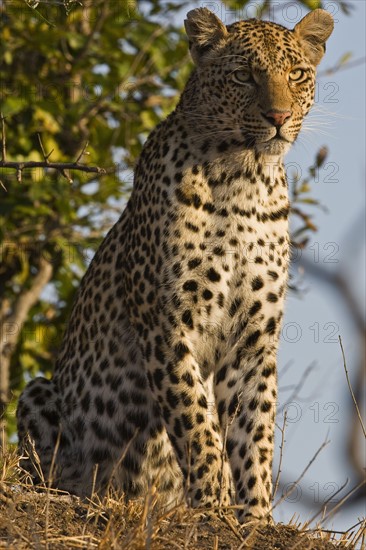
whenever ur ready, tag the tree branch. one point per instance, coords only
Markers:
(25, 301)
(3, 140)
(350, 388)
(19, 166)
(15, 322)
(341, 285)
(341, 67)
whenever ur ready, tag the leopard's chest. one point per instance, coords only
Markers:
(227, 258)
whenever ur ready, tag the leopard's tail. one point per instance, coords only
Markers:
(41, 438)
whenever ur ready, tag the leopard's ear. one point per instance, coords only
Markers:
(205, 32)
(313, 31)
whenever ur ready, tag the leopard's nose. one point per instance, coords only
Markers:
(276, 117)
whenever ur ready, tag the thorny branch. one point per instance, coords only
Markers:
(296, 483)
(342, 66)
(3, 139)
(327, 501)
(61, 167)
(283, 429)
(351, 390)
(341, 285)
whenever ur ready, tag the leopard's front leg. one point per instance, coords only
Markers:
(246, 401)
(192, 426)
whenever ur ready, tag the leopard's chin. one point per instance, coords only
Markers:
(274, 146)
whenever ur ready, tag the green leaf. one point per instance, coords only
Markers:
(312, 4)
(8, 57)
(308, 200)
(345, 58)
(12, 105)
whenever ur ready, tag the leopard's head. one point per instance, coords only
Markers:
(256, 79)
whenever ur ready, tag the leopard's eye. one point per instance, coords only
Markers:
(242, 77)
(297, 75)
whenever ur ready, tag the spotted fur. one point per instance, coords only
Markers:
(167, 372)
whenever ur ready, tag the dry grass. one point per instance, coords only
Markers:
(48, 519)
(43, 518)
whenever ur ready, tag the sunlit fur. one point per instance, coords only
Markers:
(167, 371)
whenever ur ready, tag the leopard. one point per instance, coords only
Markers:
(166, 379)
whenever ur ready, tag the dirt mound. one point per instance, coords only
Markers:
(35, 520)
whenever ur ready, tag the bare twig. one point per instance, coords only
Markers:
(359, 537)
(45, 156)
(49, 485)
(340, 532)
(296, 388)
(83, 152)
(93, 33)
(324, 505)
(93, 495)
(230, 522)
(305, 217)
(360, 533)
(350, 388)
(354, 309)
(281, 453)
(342, 67)
(287, 493)
(3, 138)
(121, 459)
(344, 499)
(223, 459)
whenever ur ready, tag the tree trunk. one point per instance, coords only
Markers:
(11, 326)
